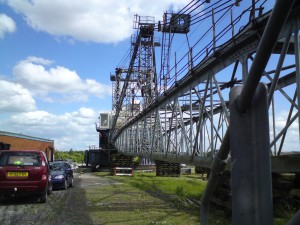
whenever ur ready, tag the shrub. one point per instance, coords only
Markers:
(76, 156)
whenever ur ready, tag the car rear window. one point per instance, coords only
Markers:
(20, 158)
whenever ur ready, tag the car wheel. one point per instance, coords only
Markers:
(50, 189)
(71, 182)
(43, 197)
(66, 184)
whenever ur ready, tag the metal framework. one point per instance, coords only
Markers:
(186, 118)
(135, 87)
(189, 119)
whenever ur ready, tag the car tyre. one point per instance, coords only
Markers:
(66, 184)
(43, 197)
(50, 188)
(71, 182)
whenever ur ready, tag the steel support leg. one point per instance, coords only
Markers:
(250, 160)
(295, 219)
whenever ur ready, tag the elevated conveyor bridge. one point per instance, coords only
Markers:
(229, 101)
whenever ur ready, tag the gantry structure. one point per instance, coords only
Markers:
(225, 98)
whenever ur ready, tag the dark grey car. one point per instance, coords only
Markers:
(61, 174)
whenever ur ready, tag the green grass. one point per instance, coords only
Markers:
(187, 187)
(155, 200)
(180, 188)
(169, 200)
(126, 203)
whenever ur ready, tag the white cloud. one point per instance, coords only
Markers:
(291, 142)
(42, 81)
(90, 20)
(86, 113)
(7, 25)
(15, 98)
(70, 130)
(39, 78)
(38, 60)
(281, 120)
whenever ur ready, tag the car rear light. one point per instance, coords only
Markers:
(44, 177)
(43, 163)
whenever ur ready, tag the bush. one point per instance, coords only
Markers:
(76, 156)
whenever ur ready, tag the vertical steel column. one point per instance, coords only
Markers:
(244, 62)
(191, 125)
(211, 120)
(250, 160)
(295, 219)
(154, 130)
(217, 167)
(297, 59)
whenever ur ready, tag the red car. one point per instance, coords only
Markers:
(25, 172)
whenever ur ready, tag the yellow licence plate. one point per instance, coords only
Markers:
(17, 174)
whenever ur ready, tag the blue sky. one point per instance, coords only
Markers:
(55, 60)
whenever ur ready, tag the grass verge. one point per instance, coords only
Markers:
(156, 200)
(178, 199)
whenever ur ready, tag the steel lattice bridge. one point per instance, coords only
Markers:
(217, 98)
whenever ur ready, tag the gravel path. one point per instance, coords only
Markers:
(63, 207)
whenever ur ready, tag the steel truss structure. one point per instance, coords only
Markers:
(187, 122)
(137, 82)
(188, 118)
